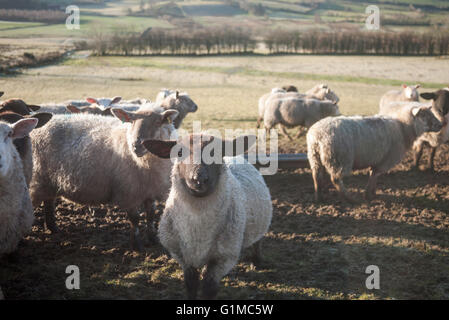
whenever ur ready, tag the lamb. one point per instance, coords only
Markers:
(407, 93)
(180, 102)
(23, 145)
(213, 211)
(297, 111)
(342, 144)
(101, 160)
(16, 211)
(440, 107)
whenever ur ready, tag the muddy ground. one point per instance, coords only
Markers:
(313, 251)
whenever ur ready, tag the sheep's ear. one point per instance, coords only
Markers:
(417, 86)
(238, 146)
(43, 118)
(404, 86)
(1, 93)
(115, 100)
(162, 149)
(417, 110)
(10, 117)
(73, 109)
(92, 100)
(23, 127)
(177, 94)
(124, 116)
(428, 95)
(33, 107)
(170, 115)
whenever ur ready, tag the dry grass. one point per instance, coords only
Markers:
(313, 251)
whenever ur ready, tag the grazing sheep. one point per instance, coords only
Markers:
(18, 106)
(406, 94)
(342, 144)
(440, 107)
(16, 211)
(23, 145)
(213, 211)
(322, 92)
(96, 160)
(292, 111)
(91, 109)
(180, 102)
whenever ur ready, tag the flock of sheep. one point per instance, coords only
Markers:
(110, 152)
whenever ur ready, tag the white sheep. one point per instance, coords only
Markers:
(180, 102)
(405, 94)
(291, 111)
(262, 101)
(95, 160)
(162, 94)
(322, 92)
(16, 211)
(213, 211)
(340, 145)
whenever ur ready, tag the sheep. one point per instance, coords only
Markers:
(262, 101)
(322, 92)
(440, 107)
(180, 102)
(406, 94)
(23, 145)
(213, 211)
(339, 145)
(96, 160)
(18, 106)
(297, 111)
(16, 211)
(91, 109)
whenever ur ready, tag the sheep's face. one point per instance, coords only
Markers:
(199, 159)
(440, 101)
(8, 133)
(145, 125)
(411, 92)
(179, 101)
(425, 120)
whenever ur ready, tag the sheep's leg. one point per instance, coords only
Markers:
(316, 175)
(372, 184)
(191, 281)
(339, 185)
(136, 242)
(431, 158)
(49, 212)
(417, 156)
(256, 257)
(301, 132)
(150, 217)
(259, 121)
(214, 272)
(284, 132)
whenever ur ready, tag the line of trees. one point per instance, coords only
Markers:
(174, 42)
(239, 41)
(46, 16)
(358, 42)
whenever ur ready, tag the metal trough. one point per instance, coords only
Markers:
(285, 161)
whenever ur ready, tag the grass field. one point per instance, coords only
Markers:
(313, 251)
